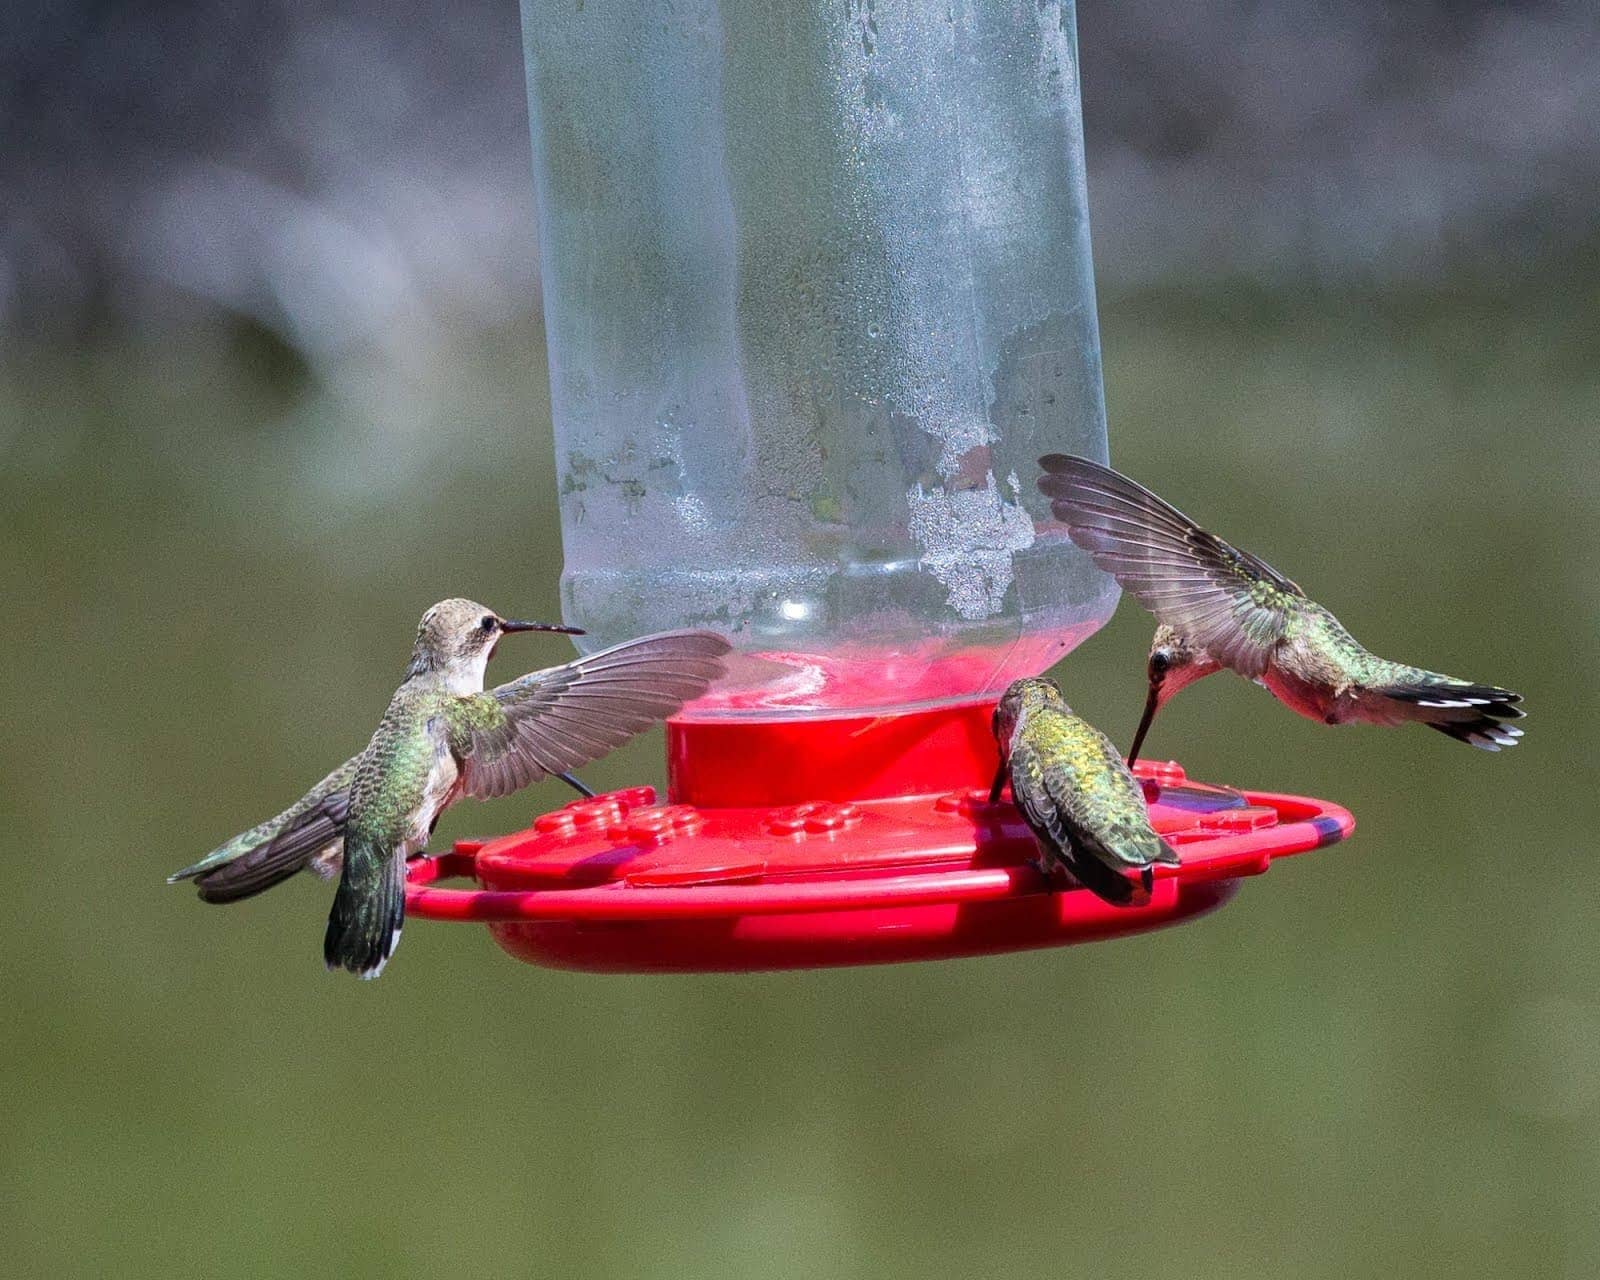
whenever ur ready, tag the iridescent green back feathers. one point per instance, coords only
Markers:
(1070, 785)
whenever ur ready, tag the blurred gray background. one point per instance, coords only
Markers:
(336, 171)
(272, 379)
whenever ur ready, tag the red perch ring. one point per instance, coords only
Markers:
(808, 843)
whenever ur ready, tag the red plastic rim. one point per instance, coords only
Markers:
(620, 883)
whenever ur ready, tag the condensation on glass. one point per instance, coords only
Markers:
(818, 293)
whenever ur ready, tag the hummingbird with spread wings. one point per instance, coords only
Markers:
(444, 737)
(1084, 808)
(1219, 607)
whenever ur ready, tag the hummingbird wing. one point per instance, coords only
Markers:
(1084, 807)
(1230, 603)
(317, 842)
(553, 721)
(274, 850)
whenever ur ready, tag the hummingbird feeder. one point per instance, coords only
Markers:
(818, 293)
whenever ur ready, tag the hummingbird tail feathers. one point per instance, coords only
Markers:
(1485, 733)
(1472, 713)
(1102, 865)
(369, 909)
(1107, 884)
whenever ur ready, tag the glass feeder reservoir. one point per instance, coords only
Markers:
(818, 292)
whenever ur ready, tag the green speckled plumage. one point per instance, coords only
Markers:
(1077, 796)
(391, 780)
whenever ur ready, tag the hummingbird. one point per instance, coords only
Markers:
(444, 737)
(1218, 607)
(1075, 794)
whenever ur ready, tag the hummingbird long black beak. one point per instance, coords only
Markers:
(1152, 703)
(514, 624)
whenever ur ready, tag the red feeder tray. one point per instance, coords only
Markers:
(807, 843)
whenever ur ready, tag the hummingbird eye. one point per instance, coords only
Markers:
(488, 623)
(1160, 662)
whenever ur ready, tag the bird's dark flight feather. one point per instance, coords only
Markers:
(553, 721)
(302, 829)
(281, 857)
(1230, 603)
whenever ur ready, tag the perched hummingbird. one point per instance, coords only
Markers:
(444, 737)
(1075, 794)
(1221, 607)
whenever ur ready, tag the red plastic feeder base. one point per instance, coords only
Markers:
(831, 842)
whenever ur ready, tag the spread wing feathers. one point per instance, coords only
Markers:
(1472, 713)
(1230, 603)
(277, 860)
(553, 721)
(277, 848)
(1099, 831)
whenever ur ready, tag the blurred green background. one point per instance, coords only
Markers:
(269, 386)
(1383, 1059)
